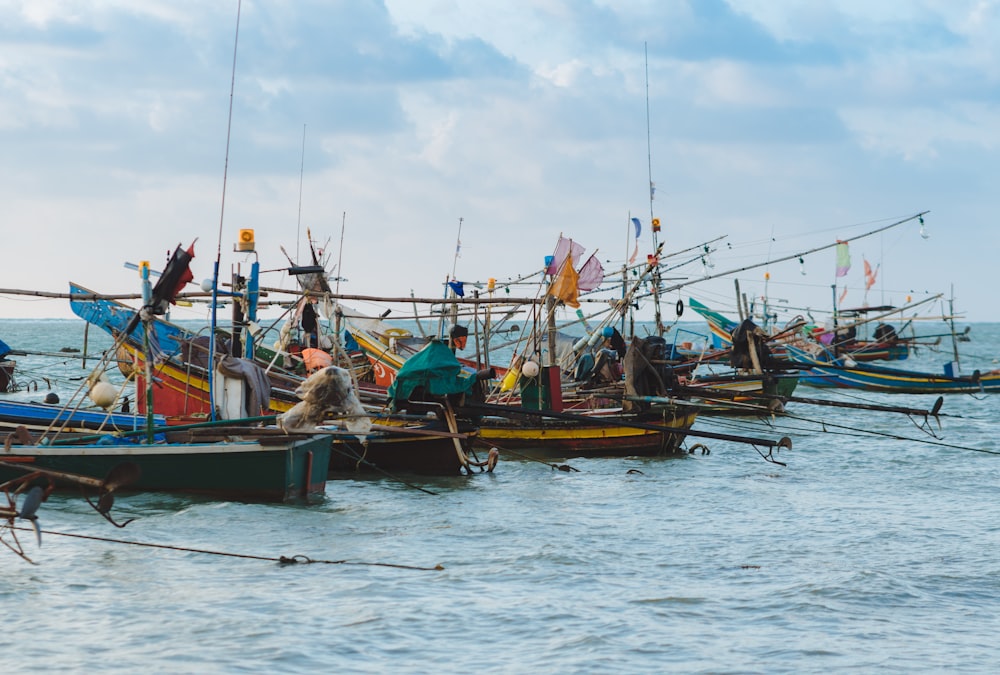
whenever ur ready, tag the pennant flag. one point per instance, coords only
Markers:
(458, 287)
(565, 287)
(564, 247)
(843, 259)
(869, 275)
(590, 275)
(172, 280)
(843, 295)
(638, 227)
(635, 254)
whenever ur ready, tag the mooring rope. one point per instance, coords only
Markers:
(826, 428)
(503, 450)
(283, 560)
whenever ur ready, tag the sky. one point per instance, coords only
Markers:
(397, 132)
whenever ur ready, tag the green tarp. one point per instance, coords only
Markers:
(434, 368)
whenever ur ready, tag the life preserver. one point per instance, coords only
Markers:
(680, 307)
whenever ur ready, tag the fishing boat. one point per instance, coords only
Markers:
(822, 370)
(768, 390)
(595, 433)
(41, 418)
(181, 384)
(181, 395)
(887, 345)
(258, 468)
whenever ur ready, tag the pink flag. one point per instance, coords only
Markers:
(591, 274)
(564, 247)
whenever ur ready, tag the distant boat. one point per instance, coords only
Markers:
(887, 345)
(846, 374)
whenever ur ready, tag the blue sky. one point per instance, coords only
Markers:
(781, 125)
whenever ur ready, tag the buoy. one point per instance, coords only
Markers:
(510, 379)
(530, 369)
(104, 394)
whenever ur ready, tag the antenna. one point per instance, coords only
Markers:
(458, 248)
(340, 255)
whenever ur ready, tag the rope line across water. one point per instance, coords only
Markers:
(284, 560)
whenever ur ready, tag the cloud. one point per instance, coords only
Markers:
(766, 119)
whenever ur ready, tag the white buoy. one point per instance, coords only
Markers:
(530, 369)
(104, 394)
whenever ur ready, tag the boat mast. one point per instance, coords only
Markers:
(222, 213)
(653, 222)
(302, 170)
(951, 324)
(447, 286)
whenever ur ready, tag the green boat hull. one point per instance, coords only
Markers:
(260, 470)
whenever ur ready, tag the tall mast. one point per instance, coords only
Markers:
(222, 213)
(654, 223)
(302, 170)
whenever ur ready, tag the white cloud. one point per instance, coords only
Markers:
(525, 119)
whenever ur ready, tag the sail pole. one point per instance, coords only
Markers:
(222, 213)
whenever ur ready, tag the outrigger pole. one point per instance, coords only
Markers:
(793, 256)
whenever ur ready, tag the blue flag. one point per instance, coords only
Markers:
(458, 287)
(638, 227)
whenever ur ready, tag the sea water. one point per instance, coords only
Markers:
(874, 548)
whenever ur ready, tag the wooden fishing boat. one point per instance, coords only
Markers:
(394, 446)
(40, 418)
(265, 468)
(846, 374)
(598, 433)
(768, 390)
(181, 381)
(891, 347)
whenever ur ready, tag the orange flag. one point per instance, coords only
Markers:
(869, 275)
(564, 286)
